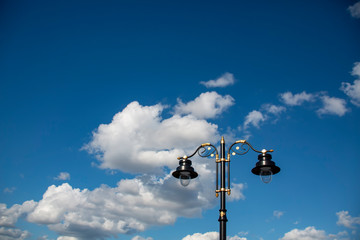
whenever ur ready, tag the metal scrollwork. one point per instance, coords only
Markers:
(243, 147)
(207, 151)
(204, 150)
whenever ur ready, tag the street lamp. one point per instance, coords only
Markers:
(265, 168)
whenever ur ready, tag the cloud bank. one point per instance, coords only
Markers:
(137, 141)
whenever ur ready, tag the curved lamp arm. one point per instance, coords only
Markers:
(244, 148)
(204, 150)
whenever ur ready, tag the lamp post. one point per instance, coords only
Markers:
(265, 168)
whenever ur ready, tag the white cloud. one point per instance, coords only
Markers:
(63, 176)
(207, 105)
(132, 206)
(67, 238)
(138, 140)
(254, 118)
(225, 80)
(274, 109)
(13, 234)
(353, 90)
(355, 10)
(333, 106)
(203, 236)
(356, 69)
(209, 236)
(278, 214)
(141, 238)
(309, 233)
(9, 216)
(344, 219)
(237, 192)
(237, 238)
(296, 99)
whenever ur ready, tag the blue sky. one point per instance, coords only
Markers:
(98, 99)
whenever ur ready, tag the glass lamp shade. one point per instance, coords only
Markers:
(185, 178)
(265, 168)
(266, 175)
(185, 172)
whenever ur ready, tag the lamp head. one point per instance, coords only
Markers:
(265, 168)
(185, 172)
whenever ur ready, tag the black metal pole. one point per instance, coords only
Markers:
(222, 217)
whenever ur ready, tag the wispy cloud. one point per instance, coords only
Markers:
(255, 118)
(329, 105)
(141, 238)
(63, 176)
(9, 190)
(278, 214)
(296, 99)
(225, 80)
(273, 109)
(355, 10)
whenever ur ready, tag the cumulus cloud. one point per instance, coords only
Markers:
(355, 10)
(344, 219)
(207, 105)
(225, 80)
(63, 176)
(13, 234)
(254, 118)
(132, 206)
(332, 106)
(296, 99)
(309, 233)
(353, 90)
(9, 216)
(209, 236)
(138, 140)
